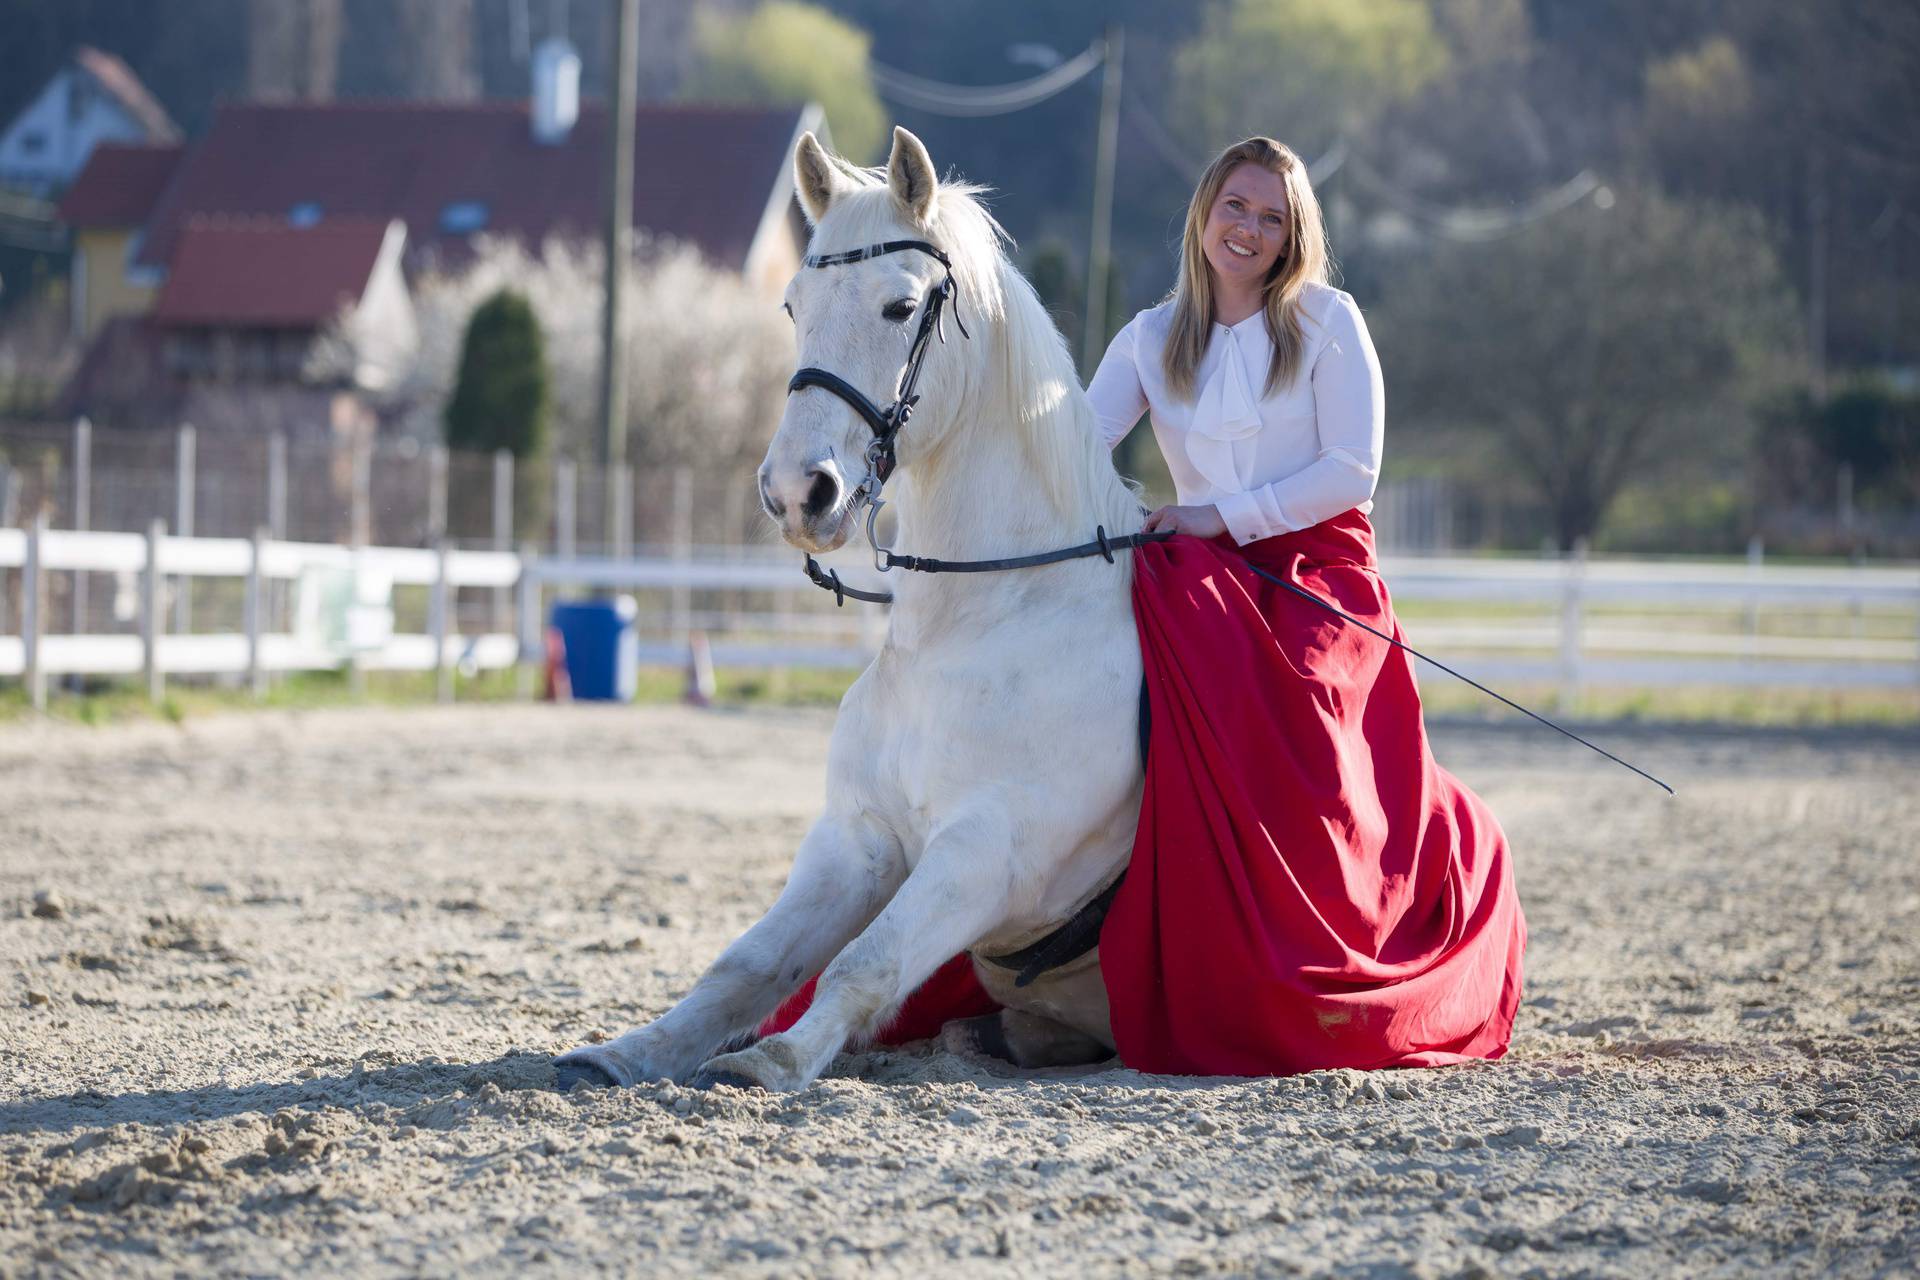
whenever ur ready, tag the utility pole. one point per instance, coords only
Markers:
(613, 365)
(1817, 230)
(1099, 257)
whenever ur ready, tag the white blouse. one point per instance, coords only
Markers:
(1271, 464)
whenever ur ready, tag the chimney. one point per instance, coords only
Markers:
(556, 91)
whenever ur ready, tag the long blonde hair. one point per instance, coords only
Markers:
(1303, 259)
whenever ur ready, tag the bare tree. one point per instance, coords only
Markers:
(293, 49)
(1596, 348)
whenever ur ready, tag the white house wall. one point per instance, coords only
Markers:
(68, 130)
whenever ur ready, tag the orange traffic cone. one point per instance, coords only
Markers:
(699, 671)
(559, 688)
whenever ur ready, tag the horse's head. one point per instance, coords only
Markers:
(858, 320)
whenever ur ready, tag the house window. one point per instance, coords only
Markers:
(305, 214)
(463, 217)
(32, 144)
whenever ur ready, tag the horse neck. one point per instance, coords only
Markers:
(975, 497)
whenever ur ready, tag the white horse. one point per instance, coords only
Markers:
(983, 779)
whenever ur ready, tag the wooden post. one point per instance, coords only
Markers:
(183, 524)
(436, 495)
(502, 528)
(255, 608)
(682, 553)
(361, 533)
(33, 614)
(276, 596)
(438, 622)
(620, 517)
(533, 649)
(82, 512)
(566, 482)
(150, 627)
(1099, 256)
(277, 485)
(1756, 552)
(619, 245)
(1570, 610)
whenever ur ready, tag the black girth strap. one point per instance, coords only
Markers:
(1070, 941)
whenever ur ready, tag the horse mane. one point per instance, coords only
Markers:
(1037, 386)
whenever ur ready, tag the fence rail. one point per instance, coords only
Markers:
(1595, 622)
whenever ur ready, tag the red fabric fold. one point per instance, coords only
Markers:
(1308, 888)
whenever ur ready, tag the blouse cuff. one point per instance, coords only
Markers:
(1243, 517)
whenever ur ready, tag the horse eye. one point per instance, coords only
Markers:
(898, 311)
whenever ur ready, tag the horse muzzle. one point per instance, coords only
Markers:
(809, 503)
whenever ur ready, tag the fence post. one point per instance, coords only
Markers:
(565, 513)
(362, 514)
(150, 613)
(255, 608)
(1756, 553)
(436, 494)
(502, 527)
(277, 485)
(33, 613)
(82, 511)
(620, 519)
(1575, 567)
(183, 524)
(682, 553)
(526, 624)
(437, 622)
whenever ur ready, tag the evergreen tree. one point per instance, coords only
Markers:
(500, 400)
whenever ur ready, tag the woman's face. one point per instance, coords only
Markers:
(1246, 230)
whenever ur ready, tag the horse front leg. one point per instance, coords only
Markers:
(963, 886)
(845, 870)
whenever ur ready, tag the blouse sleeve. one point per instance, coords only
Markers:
(1117, 396)
(1350, 413)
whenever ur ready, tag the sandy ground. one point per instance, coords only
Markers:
(288, 1004)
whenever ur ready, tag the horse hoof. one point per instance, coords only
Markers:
(732, 1079)
(568, 1074)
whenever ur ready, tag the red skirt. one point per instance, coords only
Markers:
(1308, 888)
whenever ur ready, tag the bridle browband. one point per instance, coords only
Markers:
(886, 424)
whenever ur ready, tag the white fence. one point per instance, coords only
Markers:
(1573, 622)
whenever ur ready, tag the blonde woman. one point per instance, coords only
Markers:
(1308, 888)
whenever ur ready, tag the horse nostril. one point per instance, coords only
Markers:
(822, 493)
(768, 503)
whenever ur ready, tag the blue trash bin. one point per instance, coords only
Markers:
(603, 652)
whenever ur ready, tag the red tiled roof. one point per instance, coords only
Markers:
(120, 185)
(702, 174)
(265, 274)
(118, 79)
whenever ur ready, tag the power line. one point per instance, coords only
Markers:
(983, 100)
(1457, 223)
(1467, 224)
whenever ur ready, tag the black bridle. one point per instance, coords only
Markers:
(886, 424)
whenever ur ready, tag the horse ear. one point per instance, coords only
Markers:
(910, 176)
(814, 177)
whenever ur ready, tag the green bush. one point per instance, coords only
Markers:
(500, 400)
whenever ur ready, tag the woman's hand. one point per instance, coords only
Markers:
(1200, 522)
